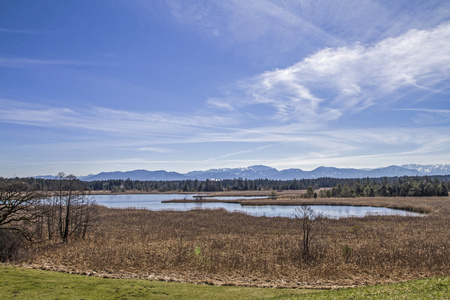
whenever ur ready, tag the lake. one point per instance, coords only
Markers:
(153, 202)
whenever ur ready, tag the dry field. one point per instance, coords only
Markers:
(218, 247)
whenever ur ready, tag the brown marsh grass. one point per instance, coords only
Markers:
(219, 247)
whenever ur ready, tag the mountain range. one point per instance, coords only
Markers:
(262, 172)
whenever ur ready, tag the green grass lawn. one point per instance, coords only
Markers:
(19, 283)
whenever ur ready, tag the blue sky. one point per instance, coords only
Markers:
(92, 86)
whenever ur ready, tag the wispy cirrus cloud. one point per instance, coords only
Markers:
(135, 128)
(268, 29)
(240, 152)
(155, 149)
(147, 139)
(112, 121)
(428, 110)
(20, 62)
(258, 28)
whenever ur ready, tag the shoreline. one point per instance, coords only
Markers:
(417, 205)
(293, 198)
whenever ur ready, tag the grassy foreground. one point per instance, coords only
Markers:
(19, 283)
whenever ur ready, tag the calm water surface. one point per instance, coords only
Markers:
(153, 202)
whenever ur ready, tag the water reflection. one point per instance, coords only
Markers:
(153, 202)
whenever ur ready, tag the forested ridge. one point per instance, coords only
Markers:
(334, 187)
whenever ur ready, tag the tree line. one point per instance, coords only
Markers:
(413, 187)
(337, 187)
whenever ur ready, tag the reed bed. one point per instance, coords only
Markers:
(219, 247)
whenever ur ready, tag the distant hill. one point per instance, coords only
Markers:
(253, 172)
(142, 175)
(46, 176)
(262, 172)
(430, 169)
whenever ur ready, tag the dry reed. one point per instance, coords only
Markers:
(216, 246)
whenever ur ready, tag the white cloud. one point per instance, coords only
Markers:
(283, 105)
(334, 82)
(111, 121)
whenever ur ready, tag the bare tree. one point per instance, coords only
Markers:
(306, 215)
(18, 205)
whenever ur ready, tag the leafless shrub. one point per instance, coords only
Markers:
(11, 245)
(68, 210)
(306, 215)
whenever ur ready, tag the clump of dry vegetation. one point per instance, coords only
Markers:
(219, 247)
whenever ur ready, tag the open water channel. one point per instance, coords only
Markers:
(154, 202)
